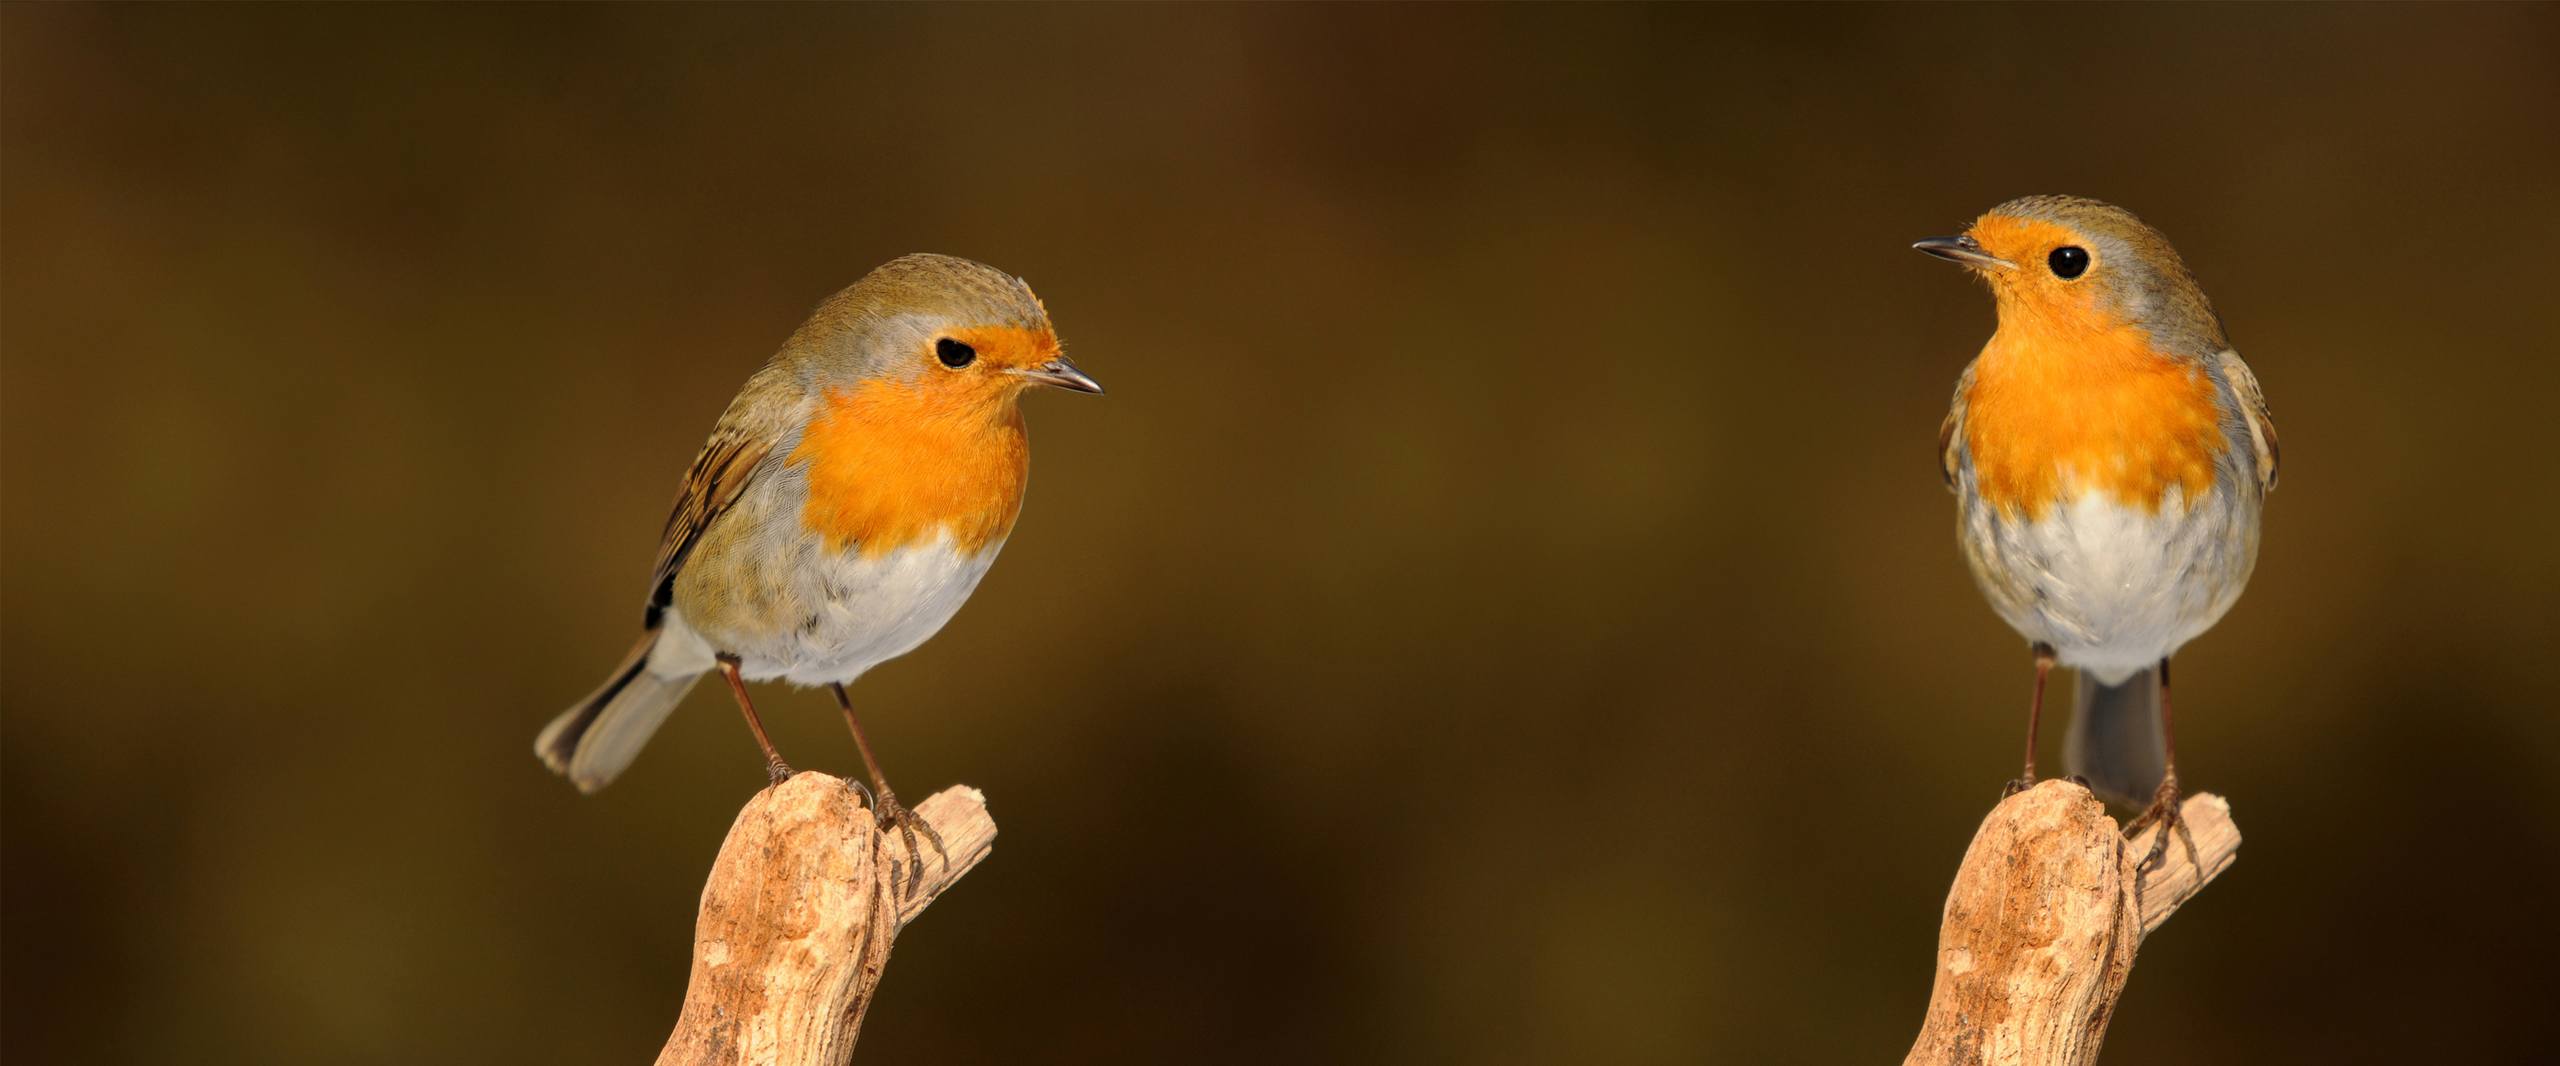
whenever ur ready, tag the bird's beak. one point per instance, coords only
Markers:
(1062, 374)
(1962, 250)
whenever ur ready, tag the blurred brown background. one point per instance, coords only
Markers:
(1520, 431)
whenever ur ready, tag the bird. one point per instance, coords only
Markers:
(2111, 456)
(846, 505)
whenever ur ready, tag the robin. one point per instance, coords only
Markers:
(846, 505)
(2110, 456)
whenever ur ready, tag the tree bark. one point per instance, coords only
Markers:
(798, 916)
(2042, 924)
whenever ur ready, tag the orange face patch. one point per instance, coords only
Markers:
(2030, 287)
(893, 464)
(2023, 241)
(1000, 348)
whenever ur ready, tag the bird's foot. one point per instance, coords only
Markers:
(894, 815)
(2164, 811)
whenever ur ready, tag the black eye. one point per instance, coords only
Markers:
(2068, 262)
(953, 353)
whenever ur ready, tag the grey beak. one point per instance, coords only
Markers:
(1962, 250)
(1062, 374)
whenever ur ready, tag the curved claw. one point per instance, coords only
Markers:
(894, 815)
(2163, 810)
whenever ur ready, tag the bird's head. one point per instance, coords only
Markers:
(2066, 265)
(960, 335)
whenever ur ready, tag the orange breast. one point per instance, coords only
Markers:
(893, 465)
(2052, 411)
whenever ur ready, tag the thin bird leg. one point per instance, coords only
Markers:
(779, 770)
(2035, 714)
(885, 803)
(2164, 803)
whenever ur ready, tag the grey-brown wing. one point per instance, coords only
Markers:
(719, 476)
(2253, 410)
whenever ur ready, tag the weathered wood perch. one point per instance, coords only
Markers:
(797, 919)
(2042, 923)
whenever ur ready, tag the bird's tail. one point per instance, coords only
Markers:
(2116, 741)
(592, 741)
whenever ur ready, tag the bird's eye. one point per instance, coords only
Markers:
(953, 353)
(2068, 262)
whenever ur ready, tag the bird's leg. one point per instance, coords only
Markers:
(2164, 803)
(777, 769)
(2035, 714)
(884, 803)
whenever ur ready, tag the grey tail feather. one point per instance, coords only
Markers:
(2115, 739)
(595, 739)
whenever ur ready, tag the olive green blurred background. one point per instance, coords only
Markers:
(1505, 611)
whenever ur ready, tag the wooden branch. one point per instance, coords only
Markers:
(796, 921)
(2042, 924)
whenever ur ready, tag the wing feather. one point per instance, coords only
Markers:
(719, 476)
(715, 483)
(739, 447)
(2253, 410)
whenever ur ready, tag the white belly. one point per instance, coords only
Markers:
(845, 612)
(2115, 588)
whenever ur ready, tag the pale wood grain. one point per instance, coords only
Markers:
(2041, 927)
(798, 917)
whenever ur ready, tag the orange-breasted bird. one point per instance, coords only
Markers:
(846, 505)
(2110, 456)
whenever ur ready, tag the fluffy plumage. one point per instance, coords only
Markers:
(2110, 456)
(847, 503)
